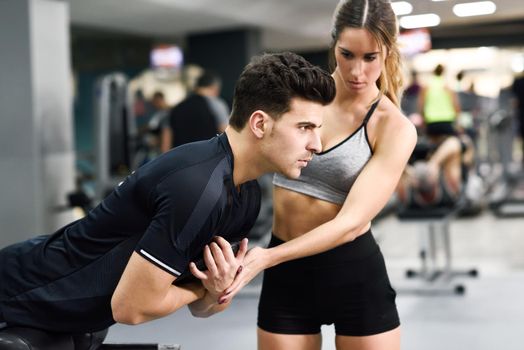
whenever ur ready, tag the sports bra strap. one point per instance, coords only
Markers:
(371, 110)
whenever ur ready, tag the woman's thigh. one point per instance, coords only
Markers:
(389, 340)
(274, 341)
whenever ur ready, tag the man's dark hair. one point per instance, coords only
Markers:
(270, 81)
(208, 78)
(158, 94)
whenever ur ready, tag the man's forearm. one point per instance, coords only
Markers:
(136, 311)
(206, 306)
(177, 298)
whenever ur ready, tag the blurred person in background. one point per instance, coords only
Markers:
(149, 146)
(140, 109)
(439, 105)
(200, 116)
(436, 173)
(518, 91)
(409, 102)
(469, 108)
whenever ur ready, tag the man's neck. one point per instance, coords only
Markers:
(206, 91)
(247, 165)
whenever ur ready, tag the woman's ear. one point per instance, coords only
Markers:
(258, 123)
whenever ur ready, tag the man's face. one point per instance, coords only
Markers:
(294, 138)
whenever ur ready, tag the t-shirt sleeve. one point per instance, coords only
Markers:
(158, 244)
(220, 110)
(186, 211)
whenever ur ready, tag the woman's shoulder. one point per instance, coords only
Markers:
(387, 113)
(388, 120)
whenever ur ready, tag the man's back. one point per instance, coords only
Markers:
(192, 120)
(518, 90)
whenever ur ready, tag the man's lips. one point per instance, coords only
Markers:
(305, 161)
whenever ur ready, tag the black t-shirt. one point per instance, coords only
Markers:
(192, 120)
(518, 90)
(166, 211)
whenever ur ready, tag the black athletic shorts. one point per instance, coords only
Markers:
(441, 128)
(347, 286)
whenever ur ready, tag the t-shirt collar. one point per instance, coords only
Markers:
(227, 147)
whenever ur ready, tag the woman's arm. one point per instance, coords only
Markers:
(396, 139)
(166, 139)
(421, 101)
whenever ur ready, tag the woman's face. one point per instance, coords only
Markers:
(358, 58)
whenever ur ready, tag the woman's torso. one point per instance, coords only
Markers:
(296, 213)
(438, 102)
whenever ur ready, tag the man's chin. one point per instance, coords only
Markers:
(293, 174)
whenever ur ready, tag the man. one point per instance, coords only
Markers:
(518, 90)
(198, 117)
(120, 263)
(150, 135)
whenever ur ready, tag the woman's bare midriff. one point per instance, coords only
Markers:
(295, 213)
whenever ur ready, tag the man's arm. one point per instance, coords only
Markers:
(146, 292)
(455, 101)
(220, 112)
(166, 139)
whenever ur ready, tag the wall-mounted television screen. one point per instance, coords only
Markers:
(167, 56)
(414, 41)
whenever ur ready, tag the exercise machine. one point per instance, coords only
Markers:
(507, 195)
(20, 338)
(435, 250)
(115, 133)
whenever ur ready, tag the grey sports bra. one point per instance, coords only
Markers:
(330, 174)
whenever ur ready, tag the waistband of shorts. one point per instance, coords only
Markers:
(360, 248)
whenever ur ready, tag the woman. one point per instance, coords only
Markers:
(436, 173)
(439, 105)
(366, 145)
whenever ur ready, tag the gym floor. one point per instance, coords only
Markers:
(488, 316)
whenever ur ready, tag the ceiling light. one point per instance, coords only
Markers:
(474, 8)
(419, 21)
(401, 8)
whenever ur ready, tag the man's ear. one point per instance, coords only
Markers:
(259, 123)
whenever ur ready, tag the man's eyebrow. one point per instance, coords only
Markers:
(306, 123)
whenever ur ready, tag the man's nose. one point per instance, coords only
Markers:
(315, 145)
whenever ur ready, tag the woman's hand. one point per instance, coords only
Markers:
(222, 266)
(254, 262)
